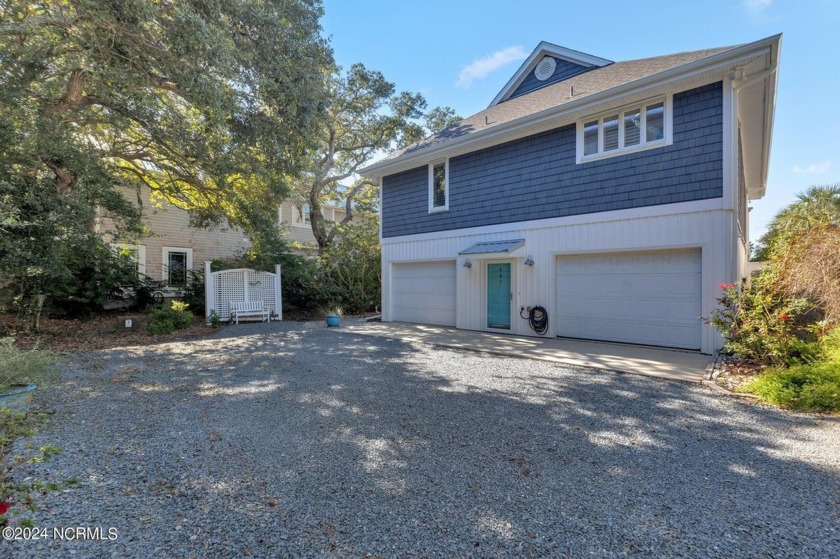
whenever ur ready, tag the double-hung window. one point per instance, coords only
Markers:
(176, 262)
(439, 186)
(636, 127)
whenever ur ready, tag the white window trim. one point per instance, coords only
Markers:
(445, 206)
(141, 254)
(668, 131)
(298, 219)
(165, 262)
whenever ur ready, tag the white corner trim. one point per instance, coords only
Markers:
(379, 209)
(445, 206)
(708, 205)
(730, 143)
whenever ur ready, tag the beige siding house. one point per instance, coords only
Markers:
(173, 247)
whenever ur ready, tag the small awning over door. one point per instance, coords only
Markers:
(494, 247)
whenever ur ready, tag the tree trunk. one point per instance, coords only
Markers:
(316, 221)
(39, 307)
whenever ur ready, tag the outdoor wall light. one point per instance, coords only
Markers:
(529, 261)
(467, 263)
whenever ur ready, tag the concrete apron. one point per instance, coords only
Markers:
(686, 366)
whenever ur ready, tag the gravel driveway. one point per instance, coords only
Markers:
(292, 440)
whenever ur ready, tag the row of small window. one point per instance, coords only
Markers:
(644, 126)
(623, 130)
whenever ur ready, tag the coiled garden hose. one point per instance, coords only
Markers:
(537, 319)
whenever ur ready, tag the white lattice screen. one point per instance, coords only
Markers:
(240, 286)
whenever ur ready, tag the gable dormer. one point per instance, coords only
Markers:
(548, 64)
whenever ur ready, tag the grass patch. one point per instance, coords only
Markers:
(813, 387)
(19, 368)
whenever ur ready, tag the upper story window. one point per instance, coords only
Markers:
(634, 128)
(439, 186)
(302, 218)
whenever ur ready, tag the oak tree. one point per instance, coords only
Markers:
(364, 117)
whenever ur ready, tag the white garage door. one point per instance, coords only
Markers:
(424, 292)
(638, 297)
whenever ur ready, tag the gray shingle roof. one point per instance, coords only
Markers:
(555, 95)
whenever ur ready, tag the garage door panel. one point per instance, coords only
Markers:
(650, 285)
(644, 297)
(424, 292)
(633, 262)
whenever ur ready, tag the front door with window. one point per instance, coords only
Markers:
(499, 295)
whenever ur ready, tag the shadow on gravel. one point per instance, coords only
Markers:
(327, 442)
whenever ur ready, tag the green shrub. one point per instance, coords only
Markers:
(167, 320)
(25, 367)
(302, 283)
(195, 292)
(801, 352)
(91, 273)
(302, 280)
(761, 323)
(350, 268)
(831, 345)
(813, 387)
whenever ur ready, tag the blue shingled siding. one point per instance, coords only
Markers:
(563, 70)
(537, 177)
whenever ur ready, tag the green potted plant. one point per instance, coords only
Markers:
(21, 372)
(333, 315)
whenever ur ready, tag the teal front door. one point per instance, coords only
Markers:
(498, 296)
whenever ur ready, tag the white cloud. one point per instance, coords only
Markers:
(815, 169)
(756, 6)
(489, 64)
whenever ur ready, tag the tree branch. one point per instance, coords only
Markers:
(63, 177)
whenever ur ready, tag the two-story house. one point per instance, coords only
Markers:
(174, 246)
(612, 194)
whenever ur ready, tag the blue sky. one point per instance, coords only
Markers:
(461, 53)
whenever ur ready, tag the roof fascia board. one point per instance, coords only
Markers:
(542, 49)
(770, 112)
(769, 82)
(711, 63)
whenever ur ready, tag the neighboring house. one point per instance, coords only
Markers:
(175, 247)
(613, 194)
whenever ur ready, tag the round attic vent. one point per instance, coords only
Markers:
(545, 68)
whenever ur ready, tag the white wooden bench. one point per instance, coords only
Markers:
(249, 309)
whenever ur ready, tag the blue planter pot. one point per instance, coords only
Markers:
(17, 398)
(333, 320)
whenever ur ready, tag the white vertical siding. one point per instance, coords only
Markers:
(709, 230)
